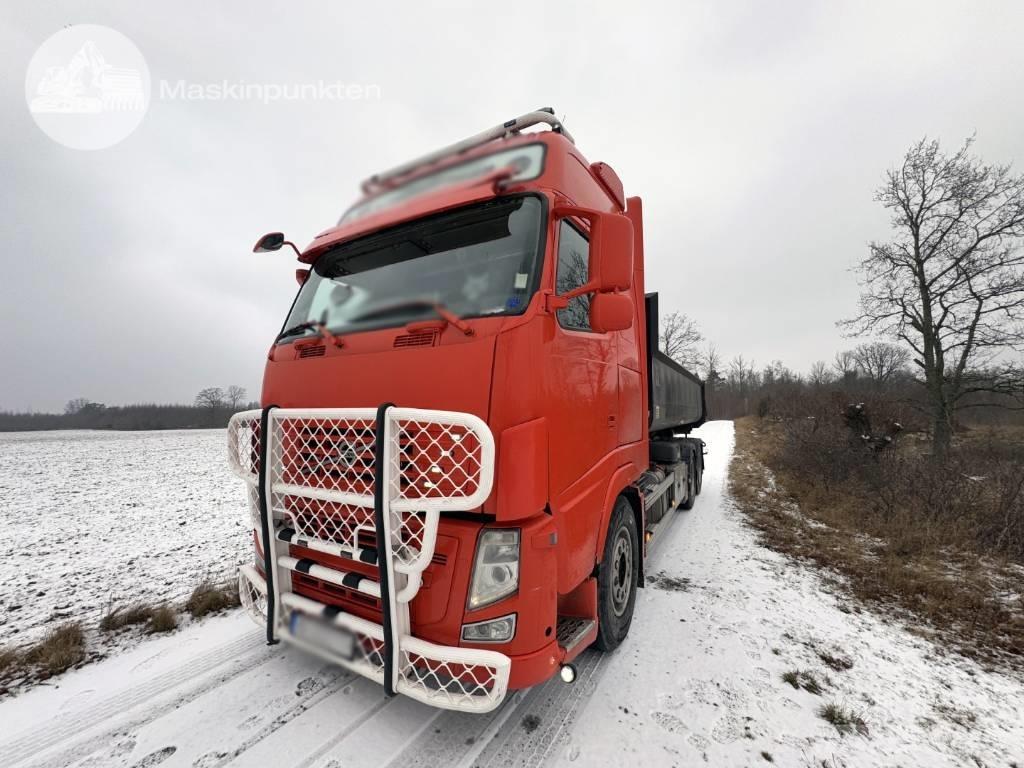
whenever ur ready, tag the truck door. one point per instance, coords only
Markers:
(582, 395)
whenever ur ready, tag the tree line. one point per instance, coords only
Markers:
(211, 408)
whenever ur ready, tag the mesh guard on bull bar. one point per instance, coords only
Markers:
(324, 468)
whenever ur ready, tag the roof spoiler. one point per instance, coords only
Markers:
(390, 178)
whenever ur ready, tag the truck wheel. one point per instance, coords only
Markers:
(616, 578)
(700, 473)
(691, 483)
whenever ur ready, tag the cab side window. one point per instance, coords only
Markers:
(573, 271)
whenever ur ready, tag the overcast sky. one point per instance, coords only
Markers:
(755, 132)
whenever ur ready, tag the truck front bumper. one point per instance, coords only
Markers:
(448, 677)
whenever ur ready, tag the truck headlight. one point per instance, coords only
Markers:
(496, 568)
(499, 630)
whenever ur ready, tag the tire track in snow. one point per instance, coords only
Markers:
(240, 655)
(336, 679)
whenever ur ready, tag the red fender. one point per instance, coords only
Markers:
(620, 481)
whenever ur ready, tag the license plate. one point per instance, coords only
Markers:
(339, 641)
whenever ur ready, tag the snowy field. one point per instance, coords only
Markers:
(698, 682)
(89, 517)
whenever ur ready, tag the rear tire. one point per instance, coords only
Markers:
(617, 578)
(691, 483)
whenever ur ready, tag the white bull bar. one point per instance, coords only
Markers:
(335, 480)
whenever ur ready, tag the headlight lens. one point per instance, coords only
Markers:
(496, 569)
(499, 630)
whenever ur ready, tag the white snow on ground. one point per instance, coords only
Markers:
(696, 682)
(89, 517)
(715, 693)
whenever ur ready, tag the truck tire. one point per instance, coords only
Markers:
(617, 578)
(700, 472)
(691, 482)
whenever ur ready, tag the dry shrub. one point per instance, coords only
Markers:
(209, 598)
(119, 618)
(938, 541)
(9, 659)
(163, 619)
(61, 649)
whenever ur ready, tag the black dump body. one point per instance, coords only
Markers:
(676, 396)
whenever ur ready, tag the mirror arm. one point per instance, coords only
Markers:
(298, 253)
(555, 301)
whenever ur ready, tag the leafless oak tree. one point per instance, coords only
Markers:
(881, 361)
(235, 396)
(950, 283)
(211, 398)
(679, 338)
(711, 364)
(845, 366)
(819, 376)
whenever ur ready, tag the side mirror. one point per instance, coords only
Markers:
(611, 248)
(301, 275)
(611, 312)
(611, 262)
(272, 241)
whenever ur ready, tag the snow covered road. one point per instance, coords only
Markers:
(698, 680)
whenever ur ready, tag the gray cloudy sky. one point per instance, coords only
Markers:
(755, 132)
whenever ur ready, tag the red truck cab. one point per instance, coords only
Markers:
(453, 478)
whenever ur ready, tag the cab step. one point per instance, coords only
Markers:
(571, 631)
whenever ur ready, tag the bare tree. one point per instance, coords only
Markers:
(76, 405)
(235, 396)
(845, 366)
(819, 376)
(679, 338)
(950, 283)
(210, 399)
(881, 361)
(742, 375)
(711, 364)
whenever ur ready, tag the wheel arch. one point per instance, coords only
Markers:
(621, 484)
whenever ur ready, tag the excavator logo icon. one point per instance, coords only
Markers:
(89, 84)
(87, 87)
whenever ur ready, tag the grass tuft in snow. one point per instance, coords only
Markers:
(965, 718)
(209, 598)
(836, 661)
(119, 618)
(768, 757)
(163, 619)
(61, 649)
(844, 720)
(801, 678)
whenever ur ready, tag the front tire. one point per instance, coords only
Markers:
(617, 578)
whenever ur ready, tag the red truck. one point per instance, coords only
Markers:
(468, 436)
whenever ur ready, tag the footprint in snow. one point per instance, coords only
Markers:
(155, 758)
(698, 742)
(309, 686)
(249, 723)
(210, 759)
(727, 730)
(667, 721)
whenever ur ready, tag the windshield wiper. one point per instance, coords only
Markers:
(320, 328)
(439, 309)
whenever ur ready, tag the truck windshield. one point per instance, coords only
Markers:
(476, 261)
